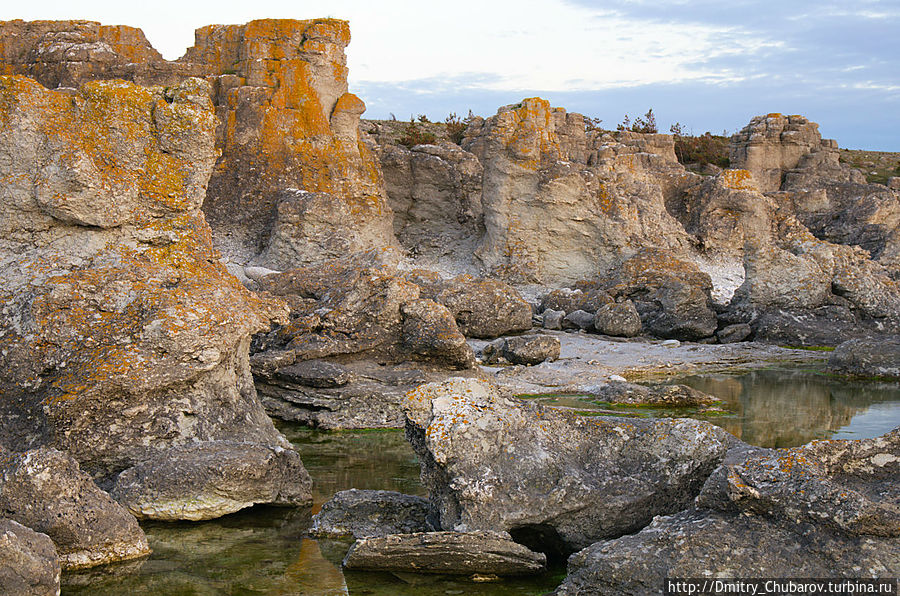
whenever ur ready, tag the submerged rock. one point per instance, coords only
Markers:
(457, 553)
(366, 513)
(209, 480)
(28, 563)
(45, 490)
(618, 392)
(827, 509)
(867, 358)
(553, 480)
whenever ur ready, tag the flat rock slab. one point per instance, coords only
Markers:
(45, 490)
(617, 392)
(367, 513)
(452, 553)
(28, 563)
(209, 480)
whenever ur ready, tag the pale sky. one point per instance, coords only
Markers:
(708, 64)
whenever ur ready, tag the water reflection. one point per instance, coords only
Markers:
(265, 550)
(786, 408)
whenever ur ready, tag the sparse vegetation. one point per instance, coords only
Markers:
(592, 124)
(416, 134)
(456, 127)
(700, 150)
(878, 166)
(643, 124)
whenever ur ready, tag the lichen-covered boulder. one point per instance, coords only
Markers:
(827, 509)
(452, 553)
(45, 490)
(618, 319)
(671, 295)
(555, 481)
(28, 563)
(209, 480)
(121, 333)
(531, 349)
(484, 308)
(366, 513)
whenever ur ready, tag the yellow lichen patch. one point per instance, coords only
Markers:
(738, 180)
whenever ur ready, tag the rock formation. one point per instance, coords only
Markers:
(366, 513)
(285, 118)
(827, 509)
(552, 480)
(122, 334)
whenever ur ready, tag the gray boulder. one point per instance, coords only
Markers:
(209, 480)
(366, 513)
(429, 331)
(45, 490)
(555, 481)
(867, 358)
(619, 319)
(827, 509)
(734, 333)
(569, 300)
(553, 319)
(531, 349)
(456, 553)
(28, 563)
(579, 319)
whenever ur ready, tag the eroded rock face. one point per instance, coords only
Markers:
(464, 553)
(552, 480)
(827, 509)
(548, 187)
(366, 513)
(122, 334)
(45, 490)
(28, 563)
(285, 118)
(209, 480)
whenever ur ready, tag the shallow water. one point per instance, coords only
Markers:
(264, 550)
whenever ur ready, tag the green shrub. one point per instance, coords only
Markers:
(415, 134)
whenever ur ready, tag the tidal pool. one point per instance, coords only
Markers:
(265, 550)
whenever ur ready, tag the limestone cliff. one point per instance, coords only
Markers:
(121, 333)
(285, 117)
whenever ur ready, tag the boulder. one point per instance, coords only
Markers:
(531, 349)
(552, 479)
(734, 333)
(315, 373)
(618, 392)
(367, 513)
(827, 509)
(553, 319)
(484, 308)
(209, 480)
(451, 553)
(671, 295)
(569, 300)
(579, 319)
(618, 319)
(28, 563)
(45, 490)
(122, 335)
(867, 358)
(430, 331)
